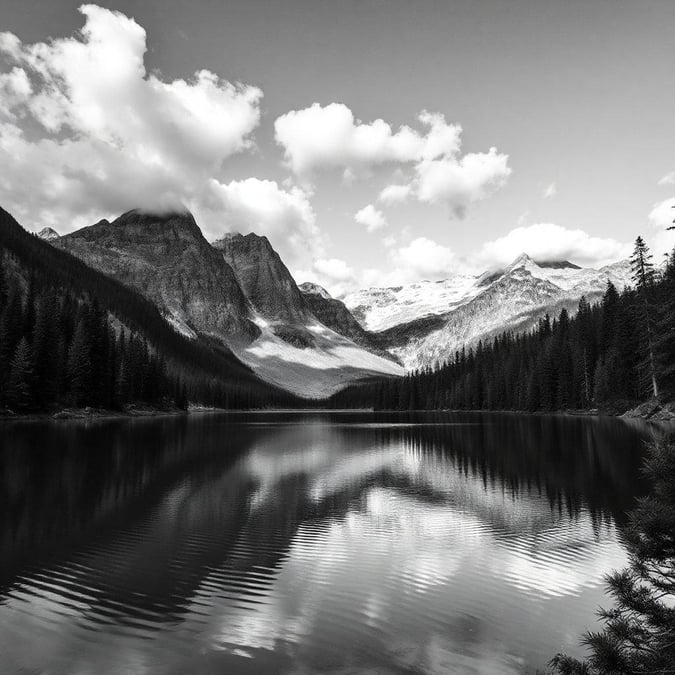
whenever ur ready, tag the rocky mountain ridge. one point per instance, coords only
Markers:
(237, 291)
(48, 234)
(334, 314)
(167, 258)
(441, 317)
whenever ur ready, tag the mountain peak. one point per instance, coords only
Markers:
(248, 241)
(522, 259)
(48, 234)
(263, 277)
(142, 225)
(314, 289)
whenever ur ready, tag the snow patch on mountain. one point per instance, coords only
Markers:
(378, 309)
(333, 362)
(180, 326)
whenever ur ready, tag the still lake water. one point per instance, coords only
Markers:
(308, 542)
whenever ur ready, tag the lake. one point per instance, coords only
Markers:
(303, 543)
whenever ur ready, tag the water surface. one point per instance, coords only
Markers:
(308, 542)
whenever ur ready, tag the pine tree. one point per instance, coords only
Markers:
(644, 278)
(79, 366)
(665, 339)
(20, 382)
(639, 633)
(46, 362)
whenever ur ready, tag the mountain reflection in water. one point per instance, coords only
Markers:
(305, 543)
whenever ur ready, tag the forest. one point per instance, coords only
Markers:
(73, 337)
(612, 356)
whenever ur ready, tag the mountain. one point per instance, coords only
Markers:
(308, 288)
(441, 317)
(237, 291)
(52, 280)
(263, 277)
(334, 314)
(269, 287)
(301, 347)
(167, 258)
(48, 234)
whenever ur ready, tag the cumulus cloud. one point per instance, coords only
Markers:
(546, 241)
(334, 274)
(662, 214)
(458, 182)
(329, 136)
(660, 218)
(371, 218)
(105, 135)
(286, 217)
(394, 194)
(550, 191)
(424, 258)
(325, 137)
(668, 179)
(419, 259)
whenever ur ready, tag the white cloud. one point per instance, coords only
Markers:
(659, 238)
(335, 275)
(321, 137)
(550, 191)
(423, 258)
(371, 218)
(286, 217)
(15, 89)
(110, 136)
(458, 182)
(662, 214)
(394, 194)
(668, 179)
(546, 241)
(325, 137)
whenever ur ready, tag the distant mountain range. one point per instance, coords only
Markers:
(239, 291)
(424, 323)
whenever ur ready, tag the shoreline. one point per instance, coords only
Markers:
(650, 411)
(89, 413)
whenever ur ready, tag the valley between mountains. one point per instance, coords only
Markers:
(238, 291)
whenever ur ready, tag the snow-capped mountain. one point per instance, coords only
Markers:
(425, 323)
(237, 291)
(380, 308)
(48, 234)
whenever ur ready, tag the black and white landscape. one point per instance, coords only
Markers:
(337, 337)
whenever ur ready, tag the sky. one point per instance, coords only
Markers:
(375, 142)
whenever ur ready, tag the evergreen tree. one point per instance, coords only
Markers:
(665, 338)
(20, 381)
(79, 366)
(644, 278)
(639, 633)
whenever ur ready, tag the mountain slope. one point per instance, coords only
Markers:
(237, 291)
(334, 314)
(192, 359)
(263, 277)
(377, 309)
(167, 258)
(512, 299)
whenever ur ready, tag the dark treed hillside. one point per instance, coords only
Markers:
(71, 336)
(613, 356)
